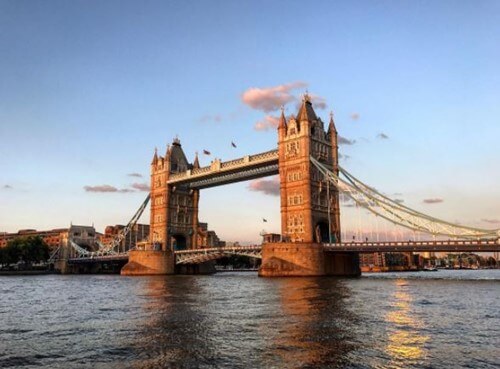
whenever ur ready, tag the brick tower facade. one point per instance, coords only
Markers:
(310, 208)
(174, 210)
(305, 205)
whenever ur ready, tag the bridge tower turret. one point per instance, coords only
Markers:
(174, 209)
(158, 198)
(304, 194)
(310, 209)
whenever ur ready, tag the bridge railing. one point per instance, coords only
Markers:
(417, 243)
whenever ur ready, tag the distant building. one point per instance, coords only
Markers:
(84, 236)
(382, 262)
(53, 238)
(206, 237)
(138, 233)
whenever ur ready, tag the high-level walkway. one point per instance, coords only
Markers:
(224, 172)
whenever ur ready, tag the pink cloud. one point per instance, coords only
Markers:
(318, 101)
(432, 201)
(269, 122)
(267, 186)
(270, 99)
(141, 186)
(105, 188)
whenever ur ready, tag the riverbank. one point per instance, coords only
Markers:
(26, 272)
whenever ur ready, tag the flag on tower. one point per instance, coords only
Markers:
(206, 152)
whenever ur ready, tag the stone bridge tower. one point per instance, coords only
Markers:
(310, 210)
(174, 210)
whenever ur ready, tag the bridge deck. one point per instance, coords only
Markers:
(99, 259)
(206, 254)
(416, 246)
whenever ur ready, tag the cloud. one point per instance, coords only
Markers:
(270, 99)
(491, 221)
(344, 157)
(140, 186)
(382, 136)
(269, 187)
(397, 194)
(105, 188)
(432, 201)
(217, 118)
(355, 116)
(318, 101)
(7, 187)
(269, 122)
(346, 141)
(135, 175)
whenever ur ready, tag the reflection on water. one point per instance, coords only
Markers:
(405, 339)
(295, 323)
(237, 320)
(316, 329)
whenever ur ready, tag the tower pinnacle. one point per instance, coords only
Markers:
(306, 111)
(282, 123)
(331, 125)
(196, 162)
(155, 156)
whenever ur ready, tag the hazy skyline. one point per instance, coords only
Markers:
(88, 89)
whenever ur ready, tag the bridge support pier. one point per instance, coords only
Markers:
(149, 262)
(61, 266)
(296, 259)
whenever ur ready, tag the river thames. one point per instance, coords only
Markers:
(444, 319)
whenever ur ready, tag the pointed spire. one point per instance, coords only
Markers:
(196, 162)
(306, 111)
(331, 125)
(167, 152)
(155, 157)
(282, 123)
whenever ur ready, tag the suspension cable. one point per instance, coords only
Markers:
(397, 213)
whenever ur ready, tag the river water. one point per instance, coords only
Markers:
(444, 319)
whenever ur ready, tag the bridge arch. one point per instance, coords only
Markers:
(321, 233)
(179, 242)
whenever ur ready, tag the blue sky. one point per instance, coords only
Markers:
(88, 89)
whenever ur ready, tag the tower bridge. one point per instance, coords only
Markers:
(311, 180)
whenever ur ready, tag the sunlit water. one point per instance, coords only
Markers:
(444, 319)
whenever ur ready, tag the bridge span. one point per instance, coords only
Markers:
(202, 255)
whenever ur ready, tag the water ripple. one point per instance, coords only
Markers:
(236, 320)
